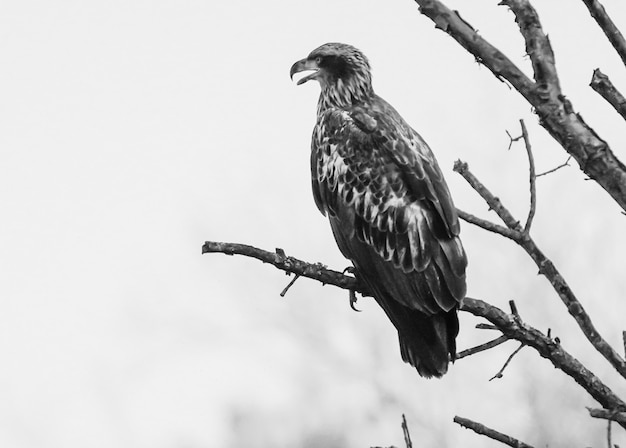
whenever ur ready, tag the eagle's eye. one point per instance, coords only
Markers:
(318, 60)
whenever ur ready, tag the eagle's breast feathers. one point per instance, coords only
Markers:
(376, 172)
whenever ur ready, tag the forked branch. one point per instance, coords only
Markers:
(555, 111)
(508, 324)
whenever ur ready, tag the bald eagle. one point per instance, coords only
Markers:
(389, 206)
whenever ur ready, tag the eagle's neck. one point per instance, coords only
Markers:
(345, 93)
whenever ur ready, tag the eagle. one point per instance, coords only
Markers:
(389, 207)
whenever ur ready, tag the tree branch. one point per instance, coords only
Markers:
(603, 85)
(610, 30)
(488, 225)
(479, 428)
(508, 324)
(555, 112)
(508, 361)
(493, 202)
(547, 269)
(538, 48)
(532, 177)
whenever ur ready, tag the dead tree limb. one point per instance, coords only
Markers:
(603, 85)
(481, 429)
(611, 31)
(545, 265)
(508, 324)
(555, 111)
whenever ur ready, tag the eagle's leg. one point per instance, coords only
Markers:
(352, 293)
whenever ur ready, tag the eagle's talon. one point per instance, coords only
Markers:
(353, 300)
(349, 270)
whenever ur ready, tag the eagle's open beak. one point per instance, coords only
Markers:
(304, 65)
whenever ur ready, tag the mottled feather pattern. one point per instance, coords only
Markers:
(400, 202)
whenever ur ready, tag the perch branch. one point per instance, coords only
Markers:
(479, 428)
(610, 30)
(555, 111)
(603, 85)
(548, 270)
(506, 323)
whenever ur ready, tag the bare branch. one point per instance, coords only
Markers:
(488, 225)
(492, 201)
(288, 264)
(610, 30)
(538, 47)
(603, 85)
(482, 347)
(532, 178)
(550, 171)
(555, 112)
(548, 270)
(508, 360)
(405, 431)
(547, 348)
(483, 326)
(607, 414)
(479, 428)
(506, 323)
(284, 291)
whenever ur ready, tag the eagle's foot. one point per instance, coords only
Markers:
(349, 270)
(353, 300)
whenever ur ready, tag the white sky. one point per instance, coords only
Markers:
(133, 131)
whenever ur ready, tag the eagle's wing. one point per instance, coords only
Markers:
(379, 178)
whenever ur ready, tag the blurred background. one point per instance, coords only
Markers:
(133, 131)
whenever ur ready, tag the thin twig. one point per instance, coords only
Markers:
(532, 178)
(547, 269)
(482, 347)
(610, 30)
(506, 323)
(609, 444)
(405, 431)
(488, 225)
(603, 85)
(284, 291)
(563, 165)
(481, 429)
(501, 371)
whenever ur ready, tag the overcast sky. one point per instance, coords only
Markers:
(133, 131)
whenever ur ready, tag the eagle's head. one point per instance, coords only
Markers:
(342, 71)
